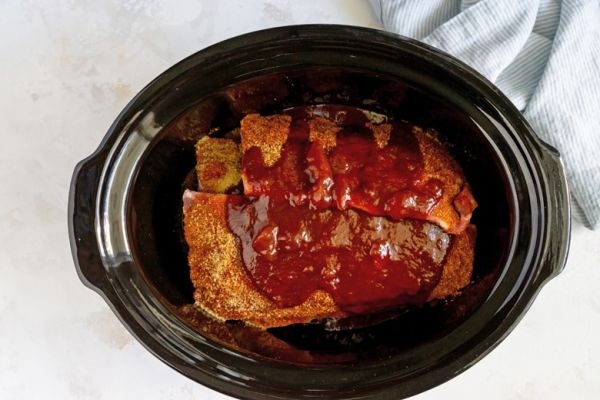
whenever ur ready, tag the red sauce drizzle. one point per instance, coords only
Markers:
(365, 262)
(340, 222)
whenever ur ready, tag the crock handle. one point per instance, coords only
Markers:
(82, 204)
(558, 211)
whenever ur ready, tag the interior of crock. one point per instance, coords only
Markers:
(155, 202)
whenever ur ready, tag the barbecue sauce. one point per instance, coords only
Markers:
(343, 217)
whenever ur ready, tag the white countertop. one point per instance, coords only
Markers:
(66, 71)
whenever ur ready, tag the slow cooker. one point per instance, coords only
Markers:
(125, 213)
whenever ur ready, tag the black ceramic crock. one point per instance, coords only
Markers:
(125, 218)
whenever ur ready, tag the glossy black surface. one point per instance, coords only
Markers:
(125, 222)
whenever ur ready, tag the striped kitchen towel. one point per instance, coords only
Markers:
(543, 54)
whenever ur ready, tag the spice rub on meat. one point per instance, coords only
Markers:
(339, 216)
(218, 164)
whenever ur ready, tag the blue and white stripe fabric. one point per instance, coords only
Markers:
(543, 54)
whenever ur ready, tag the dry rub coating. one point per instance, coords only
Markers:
(267, 133)
(323, 130)
(381, 133)
(218, 164)
(453, 211)
(458, 268)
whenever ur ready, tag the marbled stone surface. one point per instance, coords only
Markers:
(67, 68)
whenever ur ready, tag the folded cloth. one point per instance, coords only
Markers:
(543, 54)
